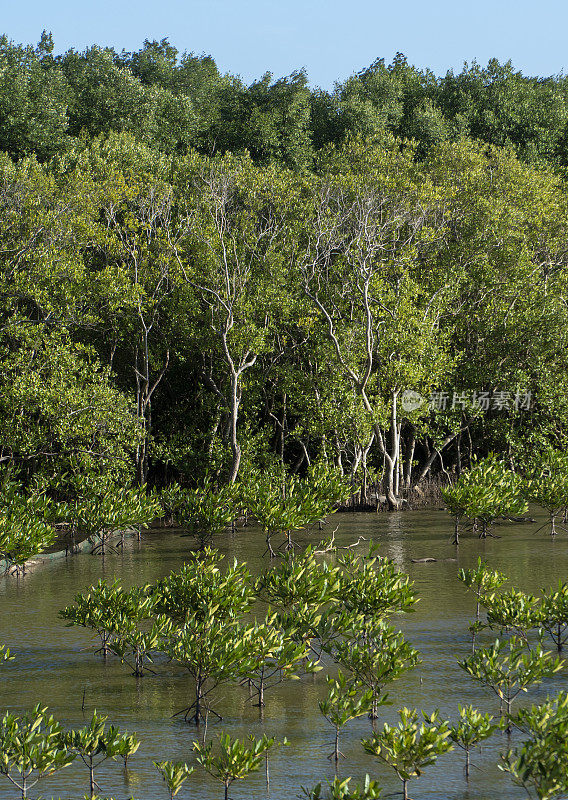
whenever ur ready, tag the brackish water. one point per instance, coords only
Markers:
(54, 666)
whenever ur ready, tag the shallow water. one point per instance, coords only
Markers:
(54, 665)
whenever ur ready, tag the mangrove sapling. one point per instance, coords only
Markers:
(95, 743)
(513, 611)
(205, 511)
(493, 491)
(509, 668)
(105, 513)
(5, 654)
(487, 491)
(234, 759)
(273, 501)
(341, 790)
(537, 720)
(214, 651)
(170, 497)
(346, 699)
(546, 483)
(554, 614)
(411, 745)
(472, 728)
(540, 764)
(299, 580)
(335, 626)
(95, 610)
(31, 747)
(174, 773)
(373, 586)
(482, 581)
(375, 654)
(277, 656)
(24, 531)
(135, 645)
(458, 500)
(300, 587)
(321, 492)
(105, 607)
(200, 585)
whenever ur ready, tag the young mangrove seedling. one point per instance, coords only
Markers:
(31, 747)
(540, 764)
(213, 651)
(174, 773)
(341, 790)
(277, 656)
(235, 758)
(375, 654)
(472, 728)
(346, 699)
(513, 612)
(95, 743)
(373, 586)
(554, 614)
(411, 745)
(509, 668)
(482, 581)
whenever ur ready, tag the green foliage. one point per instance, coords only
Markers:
(25, 529)
(554, 614)
(281, 504)
(201, 589)
(5, 653)
(277, 656)
(513, 611)
(134, 643)
(547, 482)
(174, 773)
(376, 654)
(96, 743)
(472, 728)
(103, 512)
(203, 512)
(481, 580)
(373, 586)
(59, 405)
(539, 763)
(509, 668)
(31, 747)
(346, 699)
(234, 759)
(299, 580)
(214, 651)
(411, 745)
(341, 790)
(109, 610)
(487, 491)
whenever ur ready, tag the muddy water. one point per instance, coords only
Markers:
(54, 665)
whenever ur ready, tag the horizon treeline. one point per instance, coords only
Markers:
(201, 278)
(173, 101)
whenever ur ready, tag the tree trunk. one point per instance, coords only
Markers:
(432, 457)
(235, 446)
(336, 748)
(456, 530)
(409, 458)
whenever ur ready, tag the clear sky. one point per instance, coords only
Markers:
(331, 38)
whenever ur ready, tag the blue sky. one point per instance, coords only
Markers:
(331, 39)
